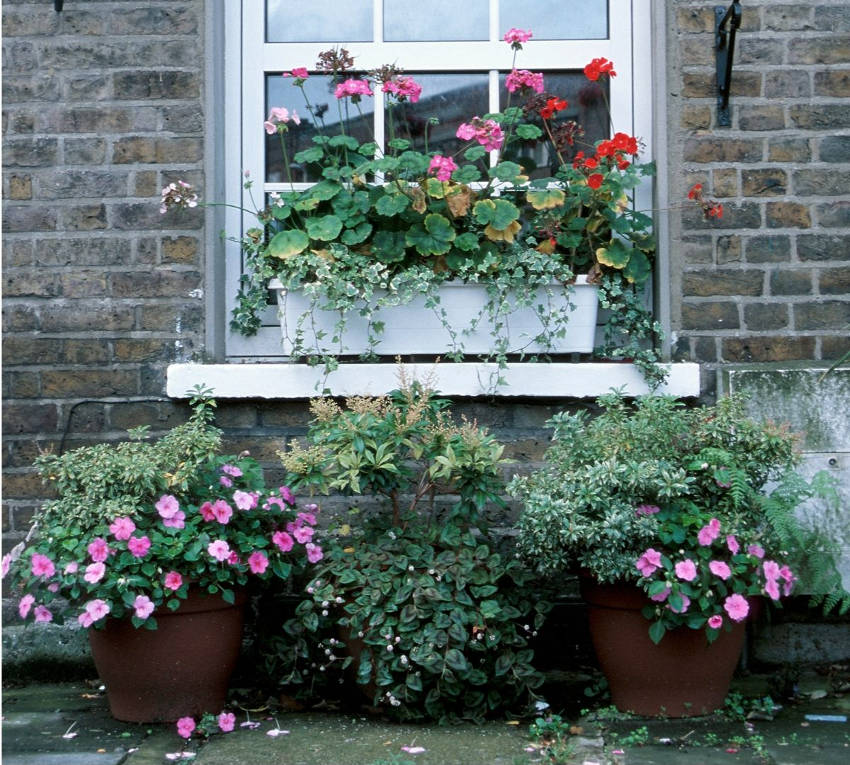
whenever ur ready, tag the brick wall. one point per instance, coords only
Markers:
(770, 281)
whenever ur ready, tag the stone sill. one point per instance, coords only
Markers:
(531, 380)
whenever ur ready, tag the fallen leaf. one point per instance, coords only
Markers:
(274, 732)
(512, 722)
(413, 749)
(576, 730)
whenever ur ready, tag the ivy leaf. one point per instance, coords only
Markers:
(285, 244)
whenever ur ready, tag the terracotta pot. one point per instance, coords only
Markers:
(682, 676)
(181, 668)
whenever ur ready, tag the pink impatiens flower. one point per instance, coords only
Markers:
(283, 541)
(314, 552)
(715, 622)
(225, 481)
(226, 722)
(708, 533)
(231, 470)
(143, 606)
(647, 510)
(686, 570)
(98, 549)
(245, 500)
(25, 604)
(219, 549)
(122, 528)
(789, 579)
(167, 506)
(686, 602)
(732, 544)
(94, 572)
(660, 597)
(257, 562)
(42, 614)
(302, 534)
(353, 88)
(6, 564)
(442, 167)
(649, 562)
(173, 580)
(308, 518)
(221, 511)
(176, 521)
(94, 611)
(737, 607)
(287, 496)
(42, 566)
(720, 568)
(185, 727)
(516, 37)
(756, 551)
(139, 546)
(71, 568)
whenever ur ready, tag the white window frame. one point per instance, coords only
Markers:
(249, 57)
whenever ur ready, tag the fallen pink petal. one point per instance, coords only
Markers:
(413, 749)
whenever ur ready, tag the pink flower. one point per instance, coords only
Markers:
(219, 550)
(287, 495)
(234, 559)
(686, 570)
(715, 622)
(314, 552)
(231, 470)
(719, 568)
(122, 528)
(94, 572)
(403, 87)
(442, 167)
(245, 500)
(6, 564)
(53, 587)
(221, 511)
(143, 606)
(487, 132)
(649, 562)
(283, 541)
(647, 509)
(353, 88)
(708, 533)
(300, 72)
(139, 546)
(225, 481)
(25, 604)
(258, 562)
(516, 37)
(85, 619)
(185, 727)
(771, 588)
(42, 566)
(280, 115)
(737, 607)
(71, 568)
(789, 579)
(661, 596)
(167, 506)
(206, 511)
(771, 570)
(686, 602)
(173, 580)
(732, 544)
(226, 722)
(42, 614)
(98, 549)
(177, 521)
(309, 518)
(96, 609)
(756, 551)
(302, 534)
(522, 78)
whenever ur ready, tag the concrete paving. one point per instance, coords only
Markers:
(69, 724)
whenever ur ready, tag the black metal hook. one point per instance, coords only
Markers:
(724, 48)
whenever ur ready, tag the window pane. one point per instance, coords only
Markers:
(319, 21)
(586, 107)
(321, 115)
(425, 20)
(556, 19)
(453, 98)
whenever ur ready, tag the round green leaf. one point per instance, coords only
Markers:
(285, 244)
(325, 228)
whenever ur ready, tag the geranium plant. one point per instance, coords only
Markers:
(385, 224)
(136, 525)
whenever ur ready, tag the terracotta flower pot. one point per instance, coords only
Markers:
(181, 668)
(682, 676)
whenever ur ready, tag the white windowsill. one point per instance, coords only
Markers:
(536, 380)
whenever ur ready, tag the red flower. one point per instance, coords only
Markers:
(597, 67)
(595, 180)
(553, 105)
(695, 192)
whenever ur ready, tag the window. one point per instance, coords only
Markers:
(455, 50)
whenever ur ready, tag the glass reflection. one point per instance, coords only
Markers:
(427, 20)
(587, 109)
(452, 98)
(556, 19)
(318, 21)
(320, 113)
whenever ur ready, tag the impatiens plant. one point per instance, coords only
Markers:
(136, 525)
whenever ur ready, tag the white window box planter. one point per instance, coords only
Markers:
(415, 328)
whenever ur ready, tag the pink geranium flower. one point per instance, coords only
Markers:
(487, 132)
(185, 727)
(708, 533)
(715, 622)
(25, 604)
(516, 36)
(280, 115)
(42, 566)
(649, 562)
(226, 722)
(221, 511)
(173, 580)
(94, 572)
(299, 72)
(257, 562)
(42, 614)
(98, 549)
(522, 78)
(403, 88)
(143, 606)
(167, 506)
(719, 568)
(353, 88)
(245, 500)
(314, 552)
(122, 528)
(737, 607)
(771, 570)
(283, 541)
(686, 570)
(442, 167)
(219, 549)
(139, 546)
